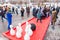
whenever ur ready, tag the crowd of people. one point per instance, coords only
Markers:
(39, 13)
(6, 13)
(21, 10)
(44, 12)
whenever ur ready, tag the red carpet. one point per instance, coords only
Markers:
(38, 34)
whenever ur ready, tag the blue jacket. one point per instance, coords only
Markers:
(9, 16)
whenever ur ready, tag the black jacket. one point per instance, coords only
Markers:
(1, 12)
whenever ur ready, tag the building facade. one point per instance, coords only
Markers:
(28, 1)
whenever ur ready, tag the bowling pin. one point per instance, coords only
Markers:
(26, 37)
(18, 31)
(12, 32)
(18, 34)
(28, 30)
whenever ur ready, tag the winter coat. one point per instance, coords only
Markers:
(54, 16)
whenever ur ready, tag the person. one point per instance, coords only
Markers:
(13, 9)
(17, 11)
(57, 9)
(28, 11)
(4, 10)
(54, 12)
(2, 13)
(45, 11)
(39, 15)
(9, 18)
(9, 9)
(34, 11)
(22, 13)
(42, 8)
(51, 9)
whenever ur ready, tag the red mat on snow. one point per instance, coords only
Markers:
(38, 34)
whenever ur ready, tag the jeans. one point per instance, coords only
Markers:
(9, 23)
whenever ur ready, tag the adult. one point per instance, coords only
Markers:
(45, 11)
(17, 11)
(57, 9)
(39, 15)
(54, 12)
(28, 11)
(22, 12)
(2, 13)
(4, 10)
(13, 9)
(9, 18)
(34, 11)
